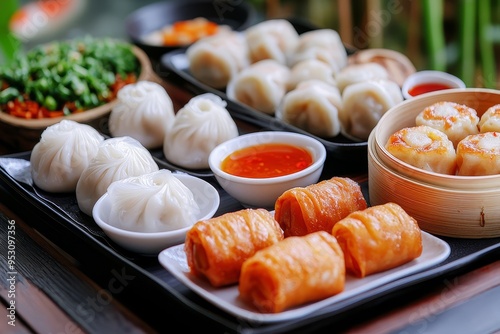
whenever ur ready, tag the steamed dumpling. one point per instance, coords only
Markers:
(271, 39)
(314, 107)
(216, 59)
(456, 120)
(116, 159)
(479, 154)
(310, 69)
(261, 86)
(201, 125)
(322, 44)
(360, 72)
(152, 202)
(490, 120)
(65, 149)
(144, 111)
(365, 103)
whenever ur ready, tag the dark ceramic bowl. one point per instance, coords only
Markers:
(237, 14)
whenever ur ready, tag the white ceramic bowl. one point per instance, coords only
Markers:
(430, 77)
(263, 192)
(153, 243)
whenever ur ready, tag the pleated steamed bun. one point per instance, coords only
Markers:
(152, 202)
(144, 112)
(65, 149)
(116, 159)
(199, 126)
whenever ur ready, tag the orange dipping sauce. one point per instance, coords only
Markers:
(267, 160)
(426, 88)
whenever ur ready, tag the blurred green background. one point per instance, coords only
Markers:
(459, 36)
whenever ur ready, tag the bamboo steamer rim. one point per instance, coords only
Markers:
(86, 116)
(406, 112)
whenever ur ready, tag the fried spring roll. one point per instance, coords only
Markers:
(216, 248)
(318, 207)
(292, 272)
(378, 238)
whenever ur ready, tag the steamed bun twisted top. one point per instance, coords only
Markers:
(63, 152)
(116, 159)
(144, 112)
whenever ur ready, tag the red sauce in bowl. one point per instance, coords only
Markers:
(426, 88)
(267, 160)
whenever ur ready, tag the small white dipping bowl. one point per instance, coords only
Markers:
(430, 77)
(263, 192)
(152, 243)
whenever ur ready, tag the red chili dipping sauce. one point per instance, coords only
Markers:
(426, 88)
(267, 160)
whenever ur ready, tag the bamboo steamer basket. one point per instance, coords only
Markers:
(22, 134)
(446, 205)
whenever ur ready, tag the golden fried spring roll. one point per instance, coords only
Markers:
(317, 207)
(216, 248)
(292, 272)
(378, 238)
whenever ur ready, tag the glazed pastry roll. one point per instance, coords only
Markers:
(490, 120)
(354, 73)
(314, 107)
(271, 39)
(479, 154)
(377, 239)
(292, 272)
(457, 121)
(303, 210)
(365, 103)
(423, 147)
(261, 86)
(216, 59)
(310, 69)
(216, 248)
(322, 44)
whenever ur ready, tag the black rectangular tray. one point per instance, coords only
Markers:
(156, 292)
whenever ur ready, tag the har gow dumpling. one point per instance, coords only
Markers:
(456, 120)
(490, 120)
(199, 126)
(479, 154)
(310, 69)
(261, 86)
(360, 72)
(144, 112)
(214, 60)
(365, 103)
(314, 107)
(65, 149)
(116, 159)
(271, 39)
(321, 44)
(152, 202)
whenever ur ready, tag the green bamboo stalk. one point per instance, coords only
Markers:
(432, 11)
(467, 46)
(486, 43)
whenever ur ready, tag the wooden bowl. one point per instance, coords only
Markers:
(22, 134)
(447, 205)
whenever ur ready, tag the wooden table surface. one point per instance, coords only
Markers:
(59, 288)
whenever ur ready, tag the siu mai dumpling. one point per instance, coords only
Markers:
(378, 238)
(314, 107)
(261, 86)
(321, 44)
(144, 111)
(423, 147)
(310, 69)
(479, 154)
(456, 120)
(271, 39)
(214, 60)
(199, 126)
(354, 73)
(365, 103)
(490, 120)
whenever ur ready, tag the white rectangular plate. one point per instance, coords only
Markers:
(173, 259)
